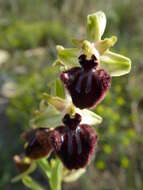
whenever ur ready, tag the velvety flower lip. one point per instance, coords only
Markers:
(74, 143)
(87, 84)
(37, 143)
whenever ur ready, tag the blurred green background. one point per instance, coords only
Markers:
(29, 32)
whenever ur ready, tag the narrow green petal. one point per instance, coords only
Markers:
(96, 24)
(115, 64)
(103, 45)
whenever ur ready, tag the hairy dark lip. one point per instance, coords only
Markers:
(74, 145)
(87, 85)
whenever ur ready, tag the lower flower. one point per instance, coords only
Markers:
(74, 143)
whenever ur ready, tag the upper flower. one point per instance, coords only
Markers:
(87, 84)
(115, 64)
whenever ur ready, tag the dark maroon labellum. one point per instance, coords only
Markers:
(74, 143)
(87, 84)
(38, 143)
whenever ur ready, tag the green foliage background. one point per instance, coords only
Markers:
(41, 24)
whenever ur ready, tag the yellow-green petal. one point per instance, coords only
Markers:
(103, 45)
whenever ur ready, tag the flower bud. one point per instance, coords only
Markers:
(22, 162)
(37, 143)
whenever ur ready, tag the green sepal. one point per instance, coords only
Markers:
(49, 117)
(115, 64)
(63, 105)
(59, 103)
(60, 92)
(56, 88)
(71, 176)
(96, 24)
(31, 183)
(68, 56)
(89, 117)
(27, 172)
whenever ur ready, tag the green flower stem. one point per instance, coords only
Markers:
(45, 167)
(32, 184)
